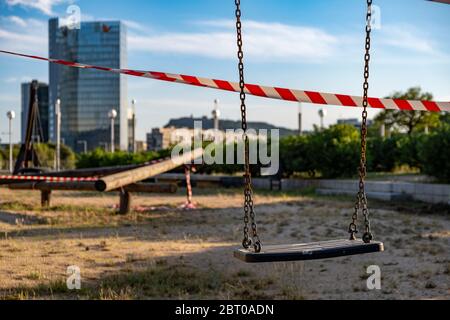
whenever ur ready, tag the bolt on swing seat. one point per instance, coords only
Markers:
(309, 251)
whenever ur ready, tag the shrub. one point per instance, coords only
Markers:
(335, 151)
(295, 155)
(101, 158)
(46, 153)
(409, 147)
(382, 154)
(435, 153)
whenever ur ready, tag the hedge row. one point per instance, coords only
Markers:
(331, 153)
(334, 153)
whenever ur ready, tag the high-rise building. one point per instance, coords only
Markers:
(88, 95)
(43, 116)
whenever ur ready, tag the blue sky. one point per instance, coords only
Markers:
(311, 45)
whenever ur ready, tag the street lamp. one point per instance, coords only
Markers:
(216, 114)
(11, 115)
(322, 114)
(58, 134)
(133, 104)
(300, 119)
(112, 115)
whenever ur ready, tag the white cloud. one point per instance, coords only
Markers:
(262, 40)
(23, 35)
(407, 37)
(45, 6)
(136, 26)
(16, 20)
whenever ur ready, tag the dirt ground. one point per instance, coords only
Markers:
(161, 252)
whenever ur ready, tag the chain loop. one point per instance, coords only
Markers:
(361, 201)
(249, 212)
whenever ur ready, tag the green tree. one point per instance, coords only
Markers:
(335, 151)
(409, 121)
(435, 154)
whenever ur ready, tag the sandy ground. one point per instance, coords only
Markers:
(170, 253)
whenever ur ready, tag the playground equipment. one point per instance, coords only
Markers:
(316, 250)
(319, 250)
(124, 180)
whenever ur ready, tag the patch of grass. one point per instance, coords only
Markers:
(51, 289)
(35, 275)
(159, 281)
(243, 274)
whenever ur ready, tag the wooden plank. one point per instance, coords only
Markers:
(91, 172)
(309, 251)
(122, 179)
(90, 186)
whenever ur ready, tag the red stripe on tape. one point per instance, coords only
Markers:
(192, 80)
(256, 90)
(403, 105)
(315, 97)
(376, 103)
(162, 76)
(346, 100)
(134, 73)
(286, 94)
(431, 106)
(224, 85)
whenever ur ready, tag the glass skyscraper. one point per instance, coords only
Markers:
(88, 95)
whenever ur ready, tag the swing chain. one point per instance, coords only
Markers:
(249, 212)
(362, 197)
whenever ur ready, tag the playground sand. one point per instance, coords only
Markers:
(161, 252)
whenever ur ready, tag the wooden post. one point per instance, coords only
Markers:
(45, 198)
(119, 180)
(125, 202)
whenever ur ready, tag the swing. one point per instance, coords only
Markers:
(252, 251)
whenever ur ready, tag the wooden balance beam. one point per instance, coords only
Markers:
(121, 179)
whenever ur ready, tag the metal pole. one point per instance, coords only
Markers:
(300, 120)
(112, 115)
(10, 147)
(133, 103)
(58, 134)
(11, 115)
(112, 135)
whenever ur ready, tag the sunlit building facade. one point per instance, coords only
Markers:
(88, 95)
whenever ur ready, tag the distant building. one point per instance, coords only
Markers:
(88, 95)
(163, 138)
(141, 146)
(188, 122)
(160, 138)
(42, 106)
(354, 122)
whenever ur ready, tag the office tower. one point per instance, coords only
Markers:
(88, 95)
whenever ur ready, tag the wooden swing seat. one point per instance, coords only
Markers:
(309, 251)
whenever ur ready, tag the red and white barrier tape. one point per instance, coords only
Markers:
(47, 179)
(264, 91)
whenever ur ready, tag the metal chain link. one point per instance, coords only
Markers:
(362, 197)
(249, 212)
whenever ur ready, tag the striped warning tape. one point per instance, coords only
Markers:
(48, 179)
(264, 91)
(8, 178)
